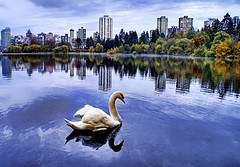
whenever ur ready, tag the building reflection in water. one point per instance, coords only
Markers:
(6, 67)
(160, 82)
(64, 67)
(29, 69)
(49, 68)
(211, 75)
(105, 78)
(57, 66)
(41, 67)
(183, 84)
(71, 67)
(81, 69)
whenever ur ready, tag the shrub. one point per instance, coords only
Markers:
(98, 48)
(175, 50)
(200, 51)
(113, 51)
(13, 49)
(61, 49)
(91, 49)
(210, 53)
(158, 49)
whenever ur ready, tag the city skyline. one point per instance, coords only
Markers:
(60, 16)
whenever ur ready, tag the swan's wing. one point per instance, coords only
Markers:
(81, 112)
(97, 118)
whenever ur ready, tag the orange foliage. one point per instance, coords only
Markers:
(199, 41)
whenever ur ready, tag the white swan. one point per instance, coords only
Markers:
(95, 119)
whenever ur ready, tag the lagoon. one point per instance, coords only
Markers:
(179, 112)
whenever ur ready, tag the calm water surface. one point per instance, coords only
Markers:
(178, 112)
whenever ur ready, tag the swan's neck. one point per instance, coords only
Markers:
(112, 109)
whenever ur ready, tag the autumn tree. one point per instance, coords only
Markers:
(223, 50)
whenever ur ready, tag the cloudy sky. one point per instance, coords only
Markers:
(59, 16)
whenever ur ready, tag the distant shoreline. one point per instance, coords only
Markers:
(49, 53)
(104, 54)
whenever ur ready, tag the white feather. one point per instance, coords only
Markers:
(95, 119)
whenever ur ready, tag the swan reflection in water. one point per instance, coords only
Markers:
(96, 139)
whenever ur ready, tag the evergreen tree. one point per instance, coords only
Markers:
(78, 42)
(143, 38)
(126, 39)
(122, 36)
(216, 26)
(238, 32)
(133, 38)
(109, 44)
(116, 41)
(98, 39)
(147, 37)
(155, 36)
(162, 35)
(227, 24)
(89, 42)
(212, 30)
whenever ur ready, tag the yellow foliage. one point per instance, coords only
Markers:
(237, 50)
(237, 70)
(223, 50)
(112, 51)
(221, 68)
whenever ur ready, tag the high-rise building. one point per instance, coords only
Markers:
(50, 36)
(106, 27)
(57, 38)
(209, 22)
(41, 38)
(151, 33)
(71, 38)
(82, 34)
(185, 24)
(95, 36)
(5, 37)
(162, 25)
(64, 38)
(236, 21)
(173, 30)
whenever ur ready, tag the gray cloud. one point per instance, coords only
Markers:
(51, 3)
(125, 3)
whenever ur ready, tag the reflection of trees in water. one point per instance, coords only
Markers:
(81, 68)
(183, 84)
(214, 75)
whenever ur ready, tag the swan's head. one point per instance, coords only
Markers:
(119, 95)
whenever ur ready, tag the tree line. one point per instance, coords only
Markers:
(221, 39)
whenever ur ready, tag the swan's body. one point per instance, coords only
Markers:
(95, 119)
